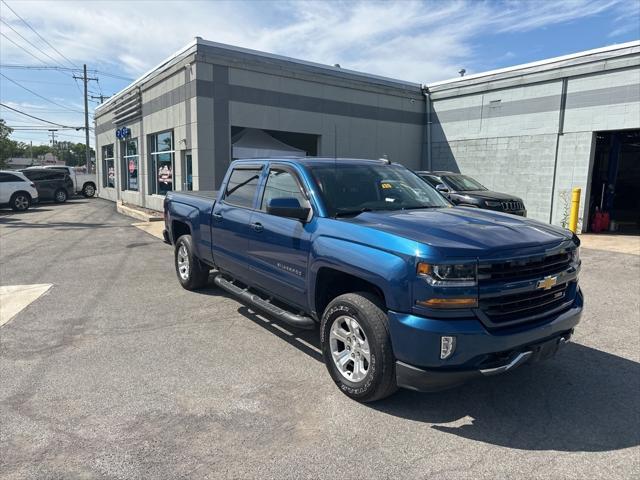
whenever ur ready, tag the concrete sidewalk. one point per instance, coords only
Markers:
(629, 244)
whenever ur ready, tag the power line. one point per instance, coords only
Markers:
(40, 36)
(41, 67)
(29, 42)
(45, 82)
(37, 48)
(47, 67)
(34, 128)
(38, 95)
(23, 49)
(112, 75)
(36, 118)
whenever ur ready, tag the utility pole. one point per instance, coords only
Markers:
(31, 151)
(100, 97)
(85, 80)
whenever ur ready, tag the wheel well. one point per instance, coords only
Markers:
(330, 283)
(88, 183)
(178, 229)
(22, 191)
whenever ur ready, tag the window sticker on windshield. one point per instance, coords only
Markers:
(386, 185)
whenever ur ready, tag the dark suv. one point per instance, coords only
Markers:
(465, 191)
(51, 184)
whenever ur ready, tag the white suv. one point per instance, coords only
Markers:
(16, 191)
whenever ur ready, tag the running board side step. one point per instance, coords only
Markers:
(299, 321)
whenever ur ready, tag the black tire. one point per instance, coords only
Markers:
(197, 273)
(20, 201)
(380, 379)
(60, 195)
(89, 190)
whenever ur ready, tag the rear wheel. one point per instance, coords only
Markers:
(60, 196)
(20, 201)
(357, 347)
(89, 190)
(192, 273)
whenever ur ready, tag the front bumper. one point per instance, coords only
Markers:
(479, 352)
(425, 380)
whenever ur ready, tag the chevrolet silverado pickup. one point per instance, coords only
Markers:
(407, 289)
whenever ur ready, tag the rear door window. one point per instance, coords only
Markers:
(241, 187)
(34, 175)
(9, 177)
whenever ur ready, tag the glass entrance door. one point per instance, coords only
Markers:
(187, 172)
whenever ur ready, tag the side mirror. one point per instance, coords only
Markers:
(442, 188)
(288, 208)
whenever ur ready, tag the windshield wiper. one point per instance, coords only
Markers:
(349, 213)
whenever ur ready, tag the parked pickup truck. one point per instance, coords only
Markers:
(83, 183)
(408, 290)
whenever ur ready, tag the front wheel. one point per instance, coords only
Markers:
(356, 347)
(60, 196)
(192, 273)
(20, 201)
(89, 190)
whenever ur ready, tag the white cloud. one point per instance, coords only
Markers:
(412, 40)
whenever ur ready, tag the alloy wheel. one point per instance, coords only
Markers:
(349, 348)
(21, 202)
(183, 263)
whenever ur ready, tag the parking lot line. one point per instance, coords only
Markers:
(14, 298)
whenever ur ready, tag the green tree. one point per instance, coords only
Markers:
(7, 146)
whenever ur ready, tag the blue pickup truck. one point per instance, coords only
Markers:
(408, 290)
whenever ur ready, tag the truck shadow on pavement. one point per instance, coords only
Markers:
(583, 400)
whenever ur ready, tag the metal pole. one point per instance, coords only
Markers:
(86, 119)
(575, 206)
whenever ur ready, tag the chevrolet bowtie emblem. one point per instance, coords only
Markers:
(547, 282)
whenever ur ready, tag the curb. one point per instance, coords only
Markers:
(137, 214)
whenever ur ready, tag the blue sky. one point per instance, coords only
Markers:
(420, 41)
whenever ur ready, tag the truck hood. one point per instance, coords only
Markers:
(464, 231)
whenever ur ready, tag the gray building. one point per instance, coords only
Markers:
(540, 129)
(178, 126)
(534, 130)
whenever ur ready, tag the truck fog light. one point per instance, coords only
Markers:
(447, 347)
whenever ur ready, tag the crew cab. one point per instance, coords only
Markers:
(83, 183)
(468, 192)
(407, 289)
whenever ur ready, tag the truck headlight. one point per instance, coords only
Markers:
(575, 256)
(454, 275)
(491, 203)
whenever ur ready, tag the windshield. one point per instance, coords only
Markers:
(462, 183)
(352, 189)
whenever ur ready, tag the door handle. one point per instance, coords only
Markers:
(217, 217)
(257, 227)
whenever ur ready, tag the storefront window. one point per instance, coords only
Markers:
(161, 146)
(130, 158)
(108, 167)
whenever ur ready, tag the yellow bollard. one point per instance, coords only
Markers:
(575, 206)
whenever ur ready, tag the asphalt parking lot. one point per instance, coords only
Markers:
(117, 372)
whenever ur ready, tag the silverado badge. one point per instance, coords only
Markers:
(547, 282)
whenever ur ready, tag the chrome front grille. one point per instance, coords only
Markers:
(512, 206)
